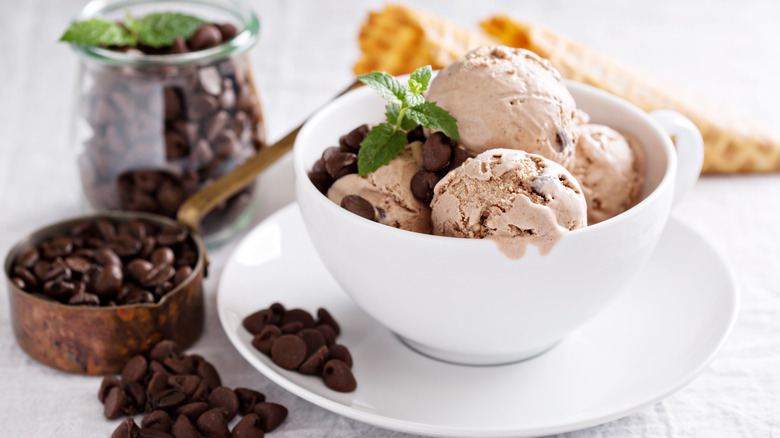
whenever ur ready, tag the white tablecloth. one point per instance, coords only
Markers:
(725, 51)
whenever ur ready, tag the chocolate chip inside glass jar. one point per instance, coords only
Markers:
(101, 262)
(152, 133)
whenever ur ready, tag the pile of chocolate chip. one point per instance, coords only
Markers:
(294, 340)
(159, 135)
(101, 262)
(183, 397)
(440, 155)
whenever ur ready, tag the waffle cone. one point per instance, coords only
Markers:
(398, 40)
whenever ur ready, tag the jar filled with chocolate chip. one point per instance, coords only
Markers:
(168, 107)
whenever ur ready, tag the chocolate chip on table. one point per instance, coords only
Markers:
(126, 429)
(359, 206)
(153, 433)
(116, 403)
(192, 410)
(106, 385)
(437, 151)
(288, 351)
(225, 398)
(157, 419)
(337, 376)
(247, 398)
(251, 426)
(272, 415)
(422, 185)
(213, 423)
(168, 399)
(186, 383)
(158, 382)
(135, 369)
(351, 142)
(209, 374)
(183, 428)
(165, 350)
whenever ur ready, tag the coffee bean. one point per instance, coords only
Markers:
(271, 415)
(210, 80)
(437, 151)
(28, 258)
(126, 429)
(212, 423)
(108, 281)
(351, 142)
(324, 317)
(228, 31)
(192, 410)
(225, 398)
(106, 385)
(84, 299)
(18, 282)
(359, 206)
(175, 146)
(105, 256)
(289, 351)
(57, 246)
(264, 340)
(158, 275)
(183, 428)
(340, 352)
(321, 180)
(59, 289)
(139, 269)
(247, 398)
(422, 185)
(168, 399)
(181, 274)
(206, 36)
(115, 404)
(124, 245)
(171, 235)
(58, 270)
(26, 276)
(338, 376)
(339, 164)
(315, 364)
(158, 419)
(178, 46)
(209, 374)
(249, 427)
(105, 228)
(78, 264)
(416, 134)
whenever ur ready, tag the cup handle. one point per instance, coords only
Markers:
(689, 146)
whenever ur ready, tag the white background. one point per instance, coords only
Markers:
(727, 51)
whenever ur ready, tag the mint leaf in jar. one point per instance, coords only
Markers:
(98, 32)
(160, 29)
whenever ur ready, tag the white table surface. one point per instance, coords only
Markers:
(725, 51)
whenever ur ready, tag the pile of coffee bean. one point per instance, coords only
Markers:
(440, 155)
(294, 340)
(158, 134)
(183, 397)
(102, 262)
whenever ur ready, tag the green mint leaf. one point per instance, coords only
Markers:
(431, 115)
(382, 143)
(421, 76)
(389, 88)
(415, 86)
(391, 112)
(132, 25)
(160, 29)
(98, 32)
(412, 99)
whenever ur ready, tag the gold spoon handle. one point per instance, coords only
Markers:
(194, 208)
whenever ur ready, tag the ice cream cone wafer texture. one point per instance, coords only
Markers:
(399, 39)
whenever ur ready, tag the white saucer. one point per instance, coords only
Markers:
(649, 343)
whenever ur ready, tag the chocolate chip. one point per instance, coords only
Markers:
(201, 105)
(315, 364)
(291, 327)
(153, 433)
(271, 415)
(278, 310)
(158, 419)
(247, 398)
(339, 164)
(340, 352)
(359, 206)
(561, 140)
(416, 134)
(183, 428)
(178, 46)
(228, 31)
(212, 423)
(249, 427)
(187, 383)
(289, 351)
(422, 185)
(257, 321)
(135, 369)
(209, 374)
(328, 333)
(225, 398)
(321, 180)
(136, 393)
(206, 36)
(166, 349)
(126, 429)
(168, 399)
(192, 410)
(158, 382)
(437, 151)
(351, 142)
(264, 340)
(180, 365)
(313, 339)
(459, 156)
(106, 385)
(115, 403)
(338, 376)
(201, 392)
(299, 315)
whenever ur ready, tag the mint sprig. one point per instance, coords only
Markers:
(158, 29)
(406, 109)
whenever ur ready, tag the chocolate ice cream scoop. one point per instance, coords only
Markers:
(511, 197)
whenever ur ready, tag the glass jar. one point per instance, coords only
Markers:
(151, 130)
